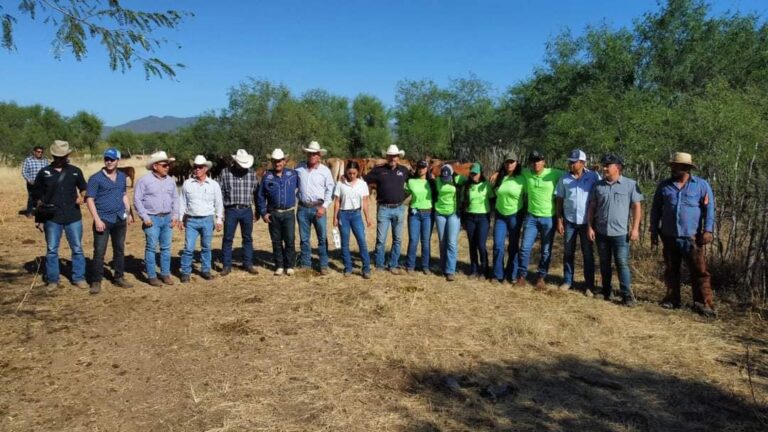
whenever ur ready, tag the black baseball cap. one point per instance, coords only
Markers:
(536, 155)
(422, 164)
(611, 158)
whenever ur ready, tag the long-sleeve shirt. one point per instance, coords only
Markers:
(683, 212)
(153, 195)
(277, 191)
(62, 194)
(31, 167)
(238, 187)
(315, 184)
(201, 199)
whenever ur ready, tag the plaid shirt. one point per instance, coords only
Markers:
(32, 166)
(238, 189)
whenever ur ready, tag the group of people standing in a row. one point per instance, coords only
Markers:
(536, 201)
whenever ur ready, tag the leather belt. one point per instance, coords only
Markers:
(277, 210)
(237, 206)
(390, 205)
(311, 204)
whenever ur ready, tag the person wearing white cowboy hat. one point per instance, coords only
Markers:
(683, 215)
(315, 195)
(157, 204)
(200, 202)
(56, 190)
(238, 188)
(277, 206)
(389, 180)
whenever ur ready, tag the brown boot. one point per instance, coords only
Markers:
(521, 282)
(540, 284)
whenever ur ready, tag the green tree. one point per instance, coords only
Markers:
(370, 126)
(85, 130)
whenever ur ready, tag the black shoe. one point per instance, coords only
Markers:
(184, 278)
(207, 276)
(225, 271)
(122, 283)
(669, 305)
(629, 301)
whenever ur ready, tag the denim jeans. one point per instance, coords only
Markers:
(419, 230)
(618, 248)
(159, 234)
(74, 233)
(448, 235)
(116, 231)
(307, 217)
(197, 226)
(506, 227)
(282, 232)
(233, 217)
(353, 220)
(477, 232)
(385, 217)
(580, 232)
(532, 227)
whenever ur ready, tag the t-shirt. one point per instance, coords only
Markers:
(541, 191)
(350, 195)
(390, 183)
(65, 195)
(479, 196)
(446, 195)
(509, 195)
(421, 193)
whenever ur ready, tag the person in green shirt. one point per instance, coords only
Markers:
(540, 183)
(476, 218)
(420, 188)
(509, 190)
(447, 219)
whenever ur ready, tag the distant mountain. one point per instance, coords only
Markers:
(151, 124)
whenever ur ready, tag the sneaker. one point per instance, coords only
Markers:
(95, 287)
(540, 284)
(166, 279)
(184, 278)
(121, 282)
(564, 287)
(325, 271)
(278, 271)
(395, 271)
(450, 277)
(155, 282)
(81, 284)
(252, 270)
(366, 275)
(207, 276)
(521, 282)
(225, 271)
(290, 271)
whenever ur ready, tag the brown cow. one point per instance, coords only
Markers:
(129, 172)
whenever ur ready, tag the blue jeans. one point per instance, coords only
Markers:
(74, 233)
(233, 217)
(307, 217)
(618, 248)
(353, 220)
(572, 232)
(477, 232)
(419, 230)
(385, 217)
(506, 227)
(448, 235)
(197, 226)
(532, 227)
(160, 233)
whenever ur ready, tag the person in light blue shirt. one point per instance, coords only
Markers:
(315, 195)
(571, 199)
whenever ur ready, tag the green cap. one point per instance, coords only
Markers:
(476, 168)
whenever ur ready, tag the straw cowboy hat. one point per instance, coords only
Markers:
(201, 160)
(156, 157)
(681, 158)
(393, 151)
(277, 154)
(243, 159)
(314, 147)
(60, 148)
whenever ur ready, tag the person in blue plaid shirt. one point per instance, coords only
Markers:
(29, 169)
(238, 188)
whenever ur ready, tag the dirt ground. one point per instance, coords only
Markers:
(394, 353)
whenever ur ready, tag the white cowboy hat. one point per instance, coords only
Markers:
(314, 147)
(60, 148)
(277, 154)
(394, 151)
(682, 158)
(201, 160)
(243, 159)
(156, 157)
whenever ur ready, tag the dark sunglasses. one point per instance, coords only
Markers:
(109, 160)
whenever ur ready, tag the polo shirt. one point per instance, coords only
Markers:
(541, 190)
(446, 195)
(421, 193)
(108, 195)
(683, 212)
(277, 191)
(575, 195)
(351, 195)
(612, 202)
(479, 197)
(65, 197)
(390, 183)
(509, 195)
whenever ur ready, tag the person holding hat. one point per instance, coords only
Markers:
(238, 188)
(610, 203)
(683, 215)
(389, 180)
(540, 184)
(29, 169)
(448, 187)
(420, 187)
(157, 205)
(58, 210)
(200, 202)
(571, 198)
(509, 190)
(476, 217)
(277, 206)
(315, 196)
(107, 201)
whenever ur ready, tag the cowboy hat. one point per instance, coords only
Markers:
(681, 158)
(243, 159)
(60, 148)
(277, 154)
(201, 160)
(392, 150)
(156, 157)
(314, 147)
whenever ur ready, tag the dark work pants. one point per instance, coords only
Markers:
(117, 232)
(677, 250)
(477, 226)
(282, 231)
(30, 201)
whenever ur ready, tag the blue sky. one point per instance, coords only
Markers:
(345, 47)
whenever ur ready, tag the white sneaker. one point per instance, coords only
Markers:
(279, 271)
(290, 272)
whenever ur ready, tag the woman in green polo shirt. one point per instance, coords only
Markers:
(476, 217)
(420, 188)
(447, 218)
(509, 189)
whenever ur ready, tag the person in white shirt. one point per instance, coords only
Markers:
(315, 195)
(351, 199)
(199, 202)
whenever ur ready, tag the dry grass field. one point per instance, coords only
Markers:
(395, 353)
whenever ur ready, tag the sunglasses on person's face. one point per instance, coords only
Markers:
(110, 160)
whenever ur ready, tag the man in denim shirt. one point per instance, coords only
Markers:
(683, 214)
(277, 205)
